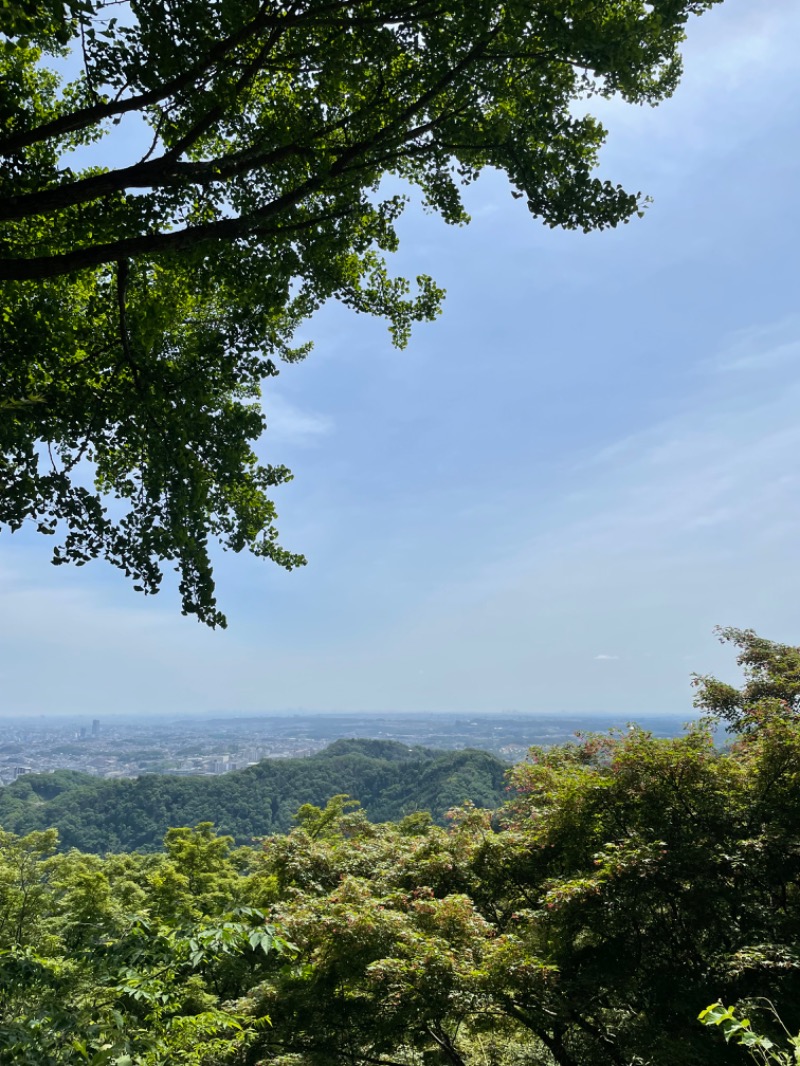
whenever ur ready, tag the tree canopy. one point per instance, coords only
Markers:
(771, 691)
(146, 298)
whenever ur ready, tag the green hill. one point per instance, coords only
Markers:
(389, 780)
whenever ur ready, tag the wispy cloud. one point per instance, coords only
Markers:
(762, 348)
(287, 422)
(728, 459)
(692, 522)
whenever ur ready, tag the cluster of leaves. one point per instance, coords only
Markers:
(144, 300)
(762, 1050)
(771, 692)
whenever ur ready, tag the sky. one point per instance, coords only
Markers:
(545, 503)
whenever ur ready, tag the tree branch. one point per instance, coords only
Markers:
(90, 116)
(227, 229)
(447, 1047)
(218, 110)
(160, 173)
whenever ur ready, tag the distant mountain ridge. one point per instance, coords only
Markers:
(388, 778)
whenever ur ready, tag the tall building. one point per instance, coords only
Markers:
(95, 727)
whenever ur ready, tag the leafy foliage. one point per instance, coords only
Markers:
(625, 883)
(83, 980)
(771, 691)
(144, 302)
(761, 1049)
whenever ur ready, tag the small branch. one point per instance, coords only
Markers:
(444, 1043)
(156, 134)
(86, 69)
(52, 460)
(123, 271)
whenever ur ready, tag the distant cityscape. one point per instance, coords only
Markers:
(115, 747)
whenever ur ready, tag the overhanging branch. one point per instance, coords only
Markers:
(224, 230)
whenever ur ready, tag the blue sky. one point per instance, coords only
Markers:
(552, 496)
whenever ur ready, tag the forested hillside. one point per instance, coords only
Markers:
(387, 778)
(627, 884)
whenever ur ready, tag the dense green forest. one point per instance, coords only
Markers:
(625, 885)
(387, 778)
